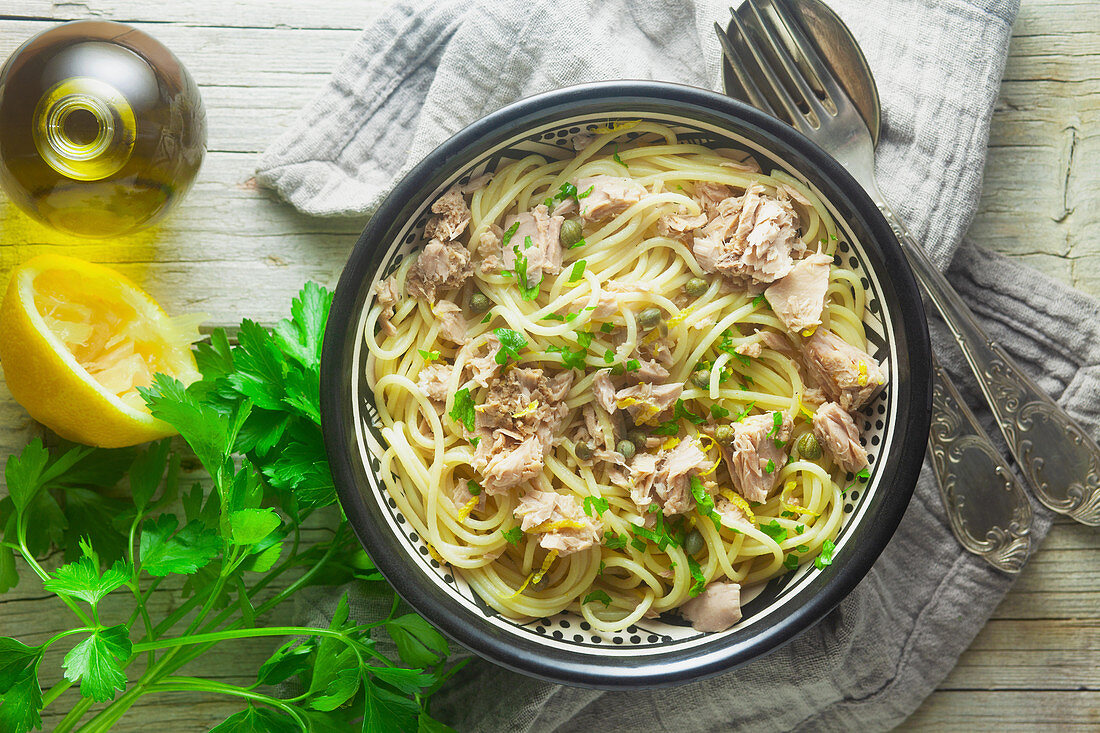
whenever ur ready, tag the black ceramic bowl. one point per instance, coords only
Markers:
(660, 651)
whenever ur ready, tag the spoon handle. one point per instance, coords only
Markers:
(987, 508)
(1056, 456)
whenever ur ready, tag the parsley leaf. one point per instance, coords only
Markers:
(609, 356)
(790, 562)
(463, 410)
(595, 505)
(429, 356)
(718, 411)
(22, 702)
(633, 365)
(578, 243)
(510, 344)
(81, 579)
(597, 595)
(700, 583)
(526, 290)
(256, 720)
(687, 414)
(826, 556)
(249, 526)
(614, 541)
(570, 359)
(513, 535)
(584, 339)
(96, 663)
(758, 300)
(670, 428)
(164, 551)
(619, 160)
(578, 271)
(704, 503)
(508, 235)
(473, 487)
(770, 468)
(774, 530)
(777, 423)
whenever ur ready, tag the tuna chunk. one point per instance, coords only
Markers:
(452, 326)
(603, 391)
(488, 248)
(483, 368)
(716, 609)
(433, 380)
(673, 225)
(543, 251)
(609, 302)
(506, 464)
(388, 296)
(439, 266)
(648, 371)
(838, 433)
(844, 373)
(665, 478)
(751, 238)
(754, 460)
(559, 521)
(799, 297)
(709, 195)
(646, 401)
(525, 402)
(453, 217)
(610, 196)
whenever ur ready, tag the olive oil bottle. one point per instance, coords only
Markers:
(102, 129)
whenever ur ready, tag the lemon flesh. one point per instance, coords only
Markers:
(76, 341)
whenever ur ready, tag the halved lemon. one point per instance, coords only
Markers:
(76, 341)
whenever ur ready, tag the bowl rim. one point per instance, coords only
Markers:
(914, 412)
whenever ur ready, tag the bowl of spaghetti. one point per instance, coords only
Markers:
(625, 384)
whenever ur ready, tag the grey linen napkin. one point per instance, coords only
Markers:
(423, 71)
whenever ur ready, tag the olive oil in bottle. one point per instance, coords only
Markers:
(102, 129)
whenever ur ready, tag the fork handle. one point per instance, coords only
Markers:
(1056, 456)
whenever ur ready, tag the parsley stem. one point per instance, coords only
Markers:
(55, 692)
(192, 684)
(245, 634)
(44, 576)
(74, 715)
(63, 634)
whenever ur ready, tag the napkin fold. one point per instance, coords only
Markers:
(423, 71)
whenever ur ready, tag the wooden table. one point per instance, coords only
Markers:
(233, 249)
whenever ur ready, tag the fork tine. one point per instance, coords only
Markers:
(794, 115)
(805, 47)
(794, 74)
(756, 97)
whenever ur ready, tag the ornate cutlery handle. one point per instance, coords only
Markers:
(986, 507)
(1054, 453)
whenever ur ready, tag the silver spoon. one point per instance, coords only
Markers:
(987, 509)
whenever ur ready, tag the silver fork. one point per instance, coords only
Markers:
(1057, 457)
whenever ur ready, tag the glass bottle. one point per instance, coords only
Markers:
(102, 130)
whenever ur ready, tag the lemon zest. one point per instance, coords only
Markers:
(704, 448)
(677, 319)
(616, 127)
(809, 331)
(802, 408)
(469, 507)
(549, 526)
(791, 507)
(862, 381)
(435, 554)
(531, 407)
(739, 501)
(670, 444)
(536, 576)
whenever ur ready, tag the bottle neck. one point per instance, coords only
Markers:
(84, 129)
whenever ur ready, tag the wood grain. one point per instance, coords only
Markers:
(1036, 665)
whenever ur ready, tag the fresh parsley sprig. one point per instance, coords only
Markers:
(253, 424)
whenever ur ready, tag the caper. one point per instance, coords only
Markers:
(695, 287)
(638, 438)
(701, 379)
(583, 451)
(808, 447)
(626, 448)
(570, 232)
(649, 318)
(724, 434)
(693, 543)
(479, 303)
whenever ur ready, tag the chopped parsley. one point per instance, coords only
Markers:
(687, 414)
(578, 243)
(741, 415)
(607, 327)
(570, 359)
(619, 160)
(578, 271)
(638, 544)
(614, 541)
(700, 583)
(510, 344)
(586, 193)
(718, 411)
(670, 428)
(584, 339)
(704, 503)
(774, 530)
(473, 487)
(463, 410)
(429, 356)
(553, 317)
(826, 556)
(770, 468)
(777, 423)
(526, 290)
(758, 300)
(509, 234)
(658, 535)
(488, 317)
(595, 505)
(609, 356)
(790, 562)
(743, 358)
(633, 365)
(802, 548)
(513, 535)
(475, 440)
(597, 595)
(799, 529)
(861, 476)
